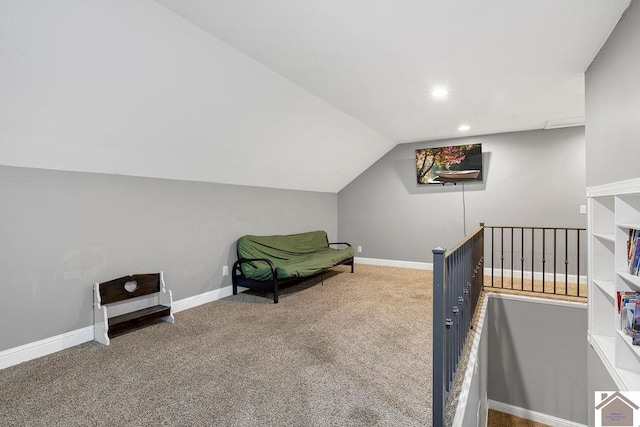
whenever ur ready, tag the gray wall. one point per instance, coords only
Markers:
(538, 357)
(62, 231)
(613, 105)
(612, 133)
(599, 380)
(530, 178)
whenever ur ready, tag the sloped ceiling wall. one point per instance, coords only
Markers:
(509, 65)
(128, 87)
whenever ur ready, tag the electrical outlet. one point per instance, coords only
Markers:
(583, 209)
(359, 248)
(225, 270)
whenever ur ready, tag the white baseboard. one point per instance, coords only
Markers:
(24, 353)
(528, 414)
(36, 349)
(394, 263)
(196, 300)
(572, 278)
(548, 277)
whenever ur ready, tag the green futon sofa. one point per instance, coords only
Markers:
(266, 262)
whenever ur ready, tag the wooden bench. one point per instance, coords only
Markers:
(123, 289)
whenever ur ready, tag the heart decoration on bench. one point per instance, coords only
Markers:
(131, 286)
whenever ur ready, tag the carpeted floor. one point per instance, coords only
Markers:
(354, 351)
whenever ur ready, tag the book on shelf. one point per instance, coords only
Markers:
(633, 252)
(635, 333)
(629, 314)
(633, 268)
(624, 295)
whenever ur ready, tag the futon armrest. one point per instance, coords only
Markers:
(238, 264)
(340, 243)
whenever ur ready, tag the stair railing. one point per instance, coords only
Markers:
(543, 260)
(457, 285)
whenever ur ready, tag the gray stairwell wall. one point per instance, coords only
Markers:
(613, 132)
(537, 357)
(530, 178)
(530, 355)
(62, 231)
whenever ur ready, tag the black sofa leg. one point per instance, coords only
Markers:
(275, 293)
(235, 289)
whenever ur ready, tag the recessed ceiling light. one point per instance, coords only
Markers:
(464, 128)
(439, 92)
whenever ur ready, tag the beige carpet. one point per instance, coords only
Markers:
(355, 351)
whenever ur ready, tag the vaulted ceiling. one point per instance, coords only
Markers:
(508, 65)
(290, 94)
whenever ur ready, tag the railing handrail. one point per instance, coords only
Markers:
(464, 240)
(536, 227)
(457, 284)
(458, 279)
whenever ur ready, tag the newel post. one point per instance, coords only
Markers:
(439, 339)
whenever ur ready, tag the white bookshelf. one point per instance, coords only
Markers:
(614, 209)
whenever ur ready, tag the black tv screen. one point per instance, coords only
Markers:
(452, 163)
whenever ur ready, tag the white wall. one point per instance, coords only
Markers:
(128, 87)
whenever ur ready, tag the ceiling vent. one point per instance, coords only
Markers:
(564, 123)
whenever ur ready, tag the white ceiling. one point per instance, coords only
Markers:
(509, 65)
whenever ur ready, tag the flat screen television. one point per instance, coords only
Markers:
(452, 163)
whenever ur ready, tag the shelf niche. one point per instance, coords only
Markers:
(614, 210)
